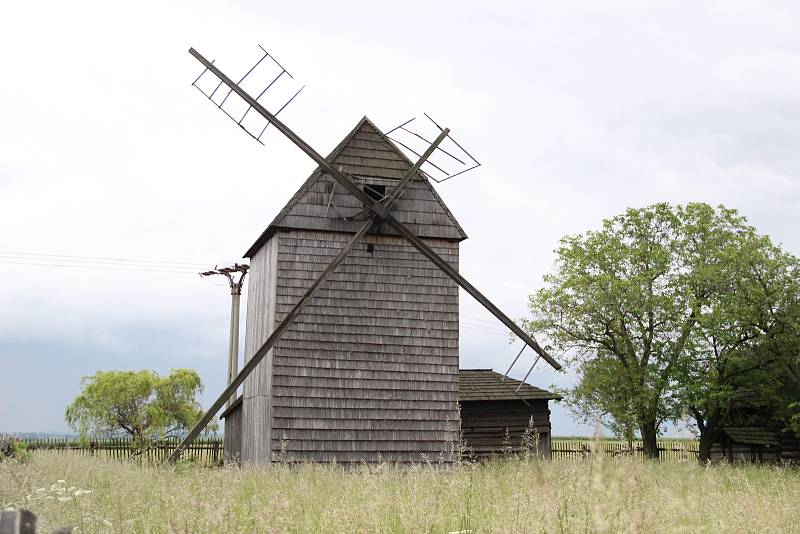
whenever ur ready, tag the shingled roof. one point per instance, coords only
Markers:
(487, 385)
(368, 157)
(751, 435)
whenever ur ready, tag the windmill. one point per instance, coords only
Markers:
(377, 213)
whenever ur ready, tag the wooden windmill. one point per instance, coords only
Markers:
(351, 347)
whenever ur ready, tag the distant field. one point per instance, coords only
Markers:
(604, 494)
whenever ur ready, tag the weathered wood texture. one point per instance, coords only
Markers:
(369, 371)
(485, 384)
(233, 431)
(752, 444)
(495, 427)
(323, 204)
(256, 406)
(203, 451)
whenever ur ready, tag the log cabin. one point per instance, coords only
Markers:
(502, 415)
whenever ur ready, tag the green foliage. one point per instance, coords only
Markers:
(668, 307)
(137, 403)
(19, 451)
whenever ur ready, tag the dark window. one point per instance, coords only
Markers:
(370, 248)
(375, 192)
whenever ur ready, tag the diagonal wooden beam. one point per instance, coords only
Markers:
(293, 313)
(269, 343)
(379, 210)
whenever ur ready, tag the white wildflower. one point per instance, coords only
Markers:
(61, 481)
(107, 523)
(64, 499)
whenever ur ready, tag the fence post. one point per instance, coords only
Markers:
(27, 522)
(8, 522)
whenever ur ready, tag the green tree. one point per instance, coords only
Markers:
(637, 306)
(141, 404)
(743, 343)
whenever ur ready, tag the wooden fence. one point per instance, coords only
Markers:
(204, 451)
(208, 451)
(582, 448)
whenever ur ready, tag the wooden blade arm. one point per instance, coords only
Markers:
(269, 343)
(377, 208)
(437, 260)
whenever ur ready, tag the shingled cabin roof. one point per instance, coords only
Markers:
(369, 158)
(751, 435)
(487, 385)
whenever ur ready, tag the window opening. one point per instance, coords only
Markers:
(375, 192)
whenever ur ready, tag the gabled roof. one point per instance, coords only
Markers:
(487, 385)
(369, 157)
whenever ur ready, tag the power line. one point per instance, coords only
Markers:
(482, 331)
(492, 322)
(468, 321)
(97, 262)
(103, 259)
(96, 267)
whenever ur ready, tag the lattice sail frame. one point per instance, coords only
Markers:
(273, 82)
(453, 159)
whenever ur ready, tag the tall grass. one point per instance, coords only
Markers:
(515, 495)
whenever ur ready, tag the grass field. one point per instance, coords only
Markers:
(599, 495)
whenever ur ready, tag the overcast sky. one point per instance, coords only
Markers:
(576, 110)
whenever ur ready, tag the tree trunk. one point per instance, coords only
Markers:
(704, 450)
(710, 430)
(649, 439)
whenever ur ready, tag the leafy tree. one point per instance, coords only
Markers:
(141, 404)
(639, 305)
(743, 341)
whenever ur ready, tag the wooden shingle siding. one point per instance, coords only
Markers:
(359, 377)
(322, 204)
(357, 406)
(485, 384)
(256, 406)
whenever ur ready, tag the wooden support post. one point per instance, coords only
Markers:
(27, 522)
(8, 522)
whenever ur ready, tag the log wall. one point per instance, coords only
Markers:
(484, 425)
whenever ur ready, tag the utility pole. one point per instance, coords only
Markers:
(236, 294)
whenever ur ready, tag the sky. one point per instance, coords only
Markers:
(576, 110)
